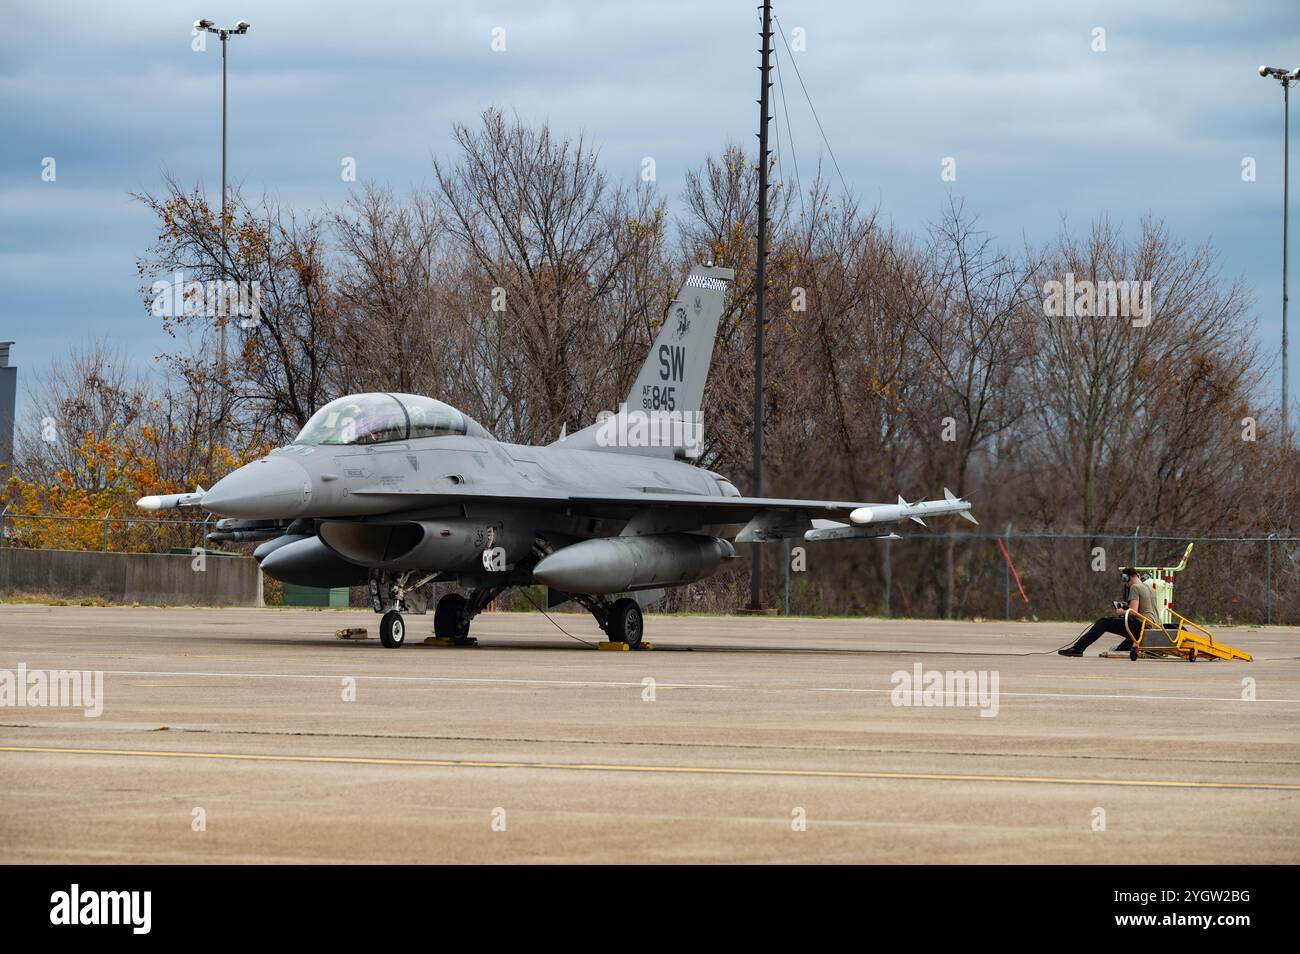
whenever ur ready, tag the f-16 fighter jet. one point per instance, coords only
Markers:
(398, 493)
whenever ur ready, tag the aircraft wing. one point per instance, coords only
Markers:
(765, 519)
(770, 518)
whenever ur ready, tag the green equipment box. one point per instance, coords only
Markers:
(333, 597)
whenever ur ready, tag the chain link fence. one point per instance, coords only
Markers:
(109, 534)
(1059, 576)
(962, 575)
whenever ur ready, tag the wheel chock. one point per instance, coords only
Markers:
(450, 642)
(352, 632)
(623, 647)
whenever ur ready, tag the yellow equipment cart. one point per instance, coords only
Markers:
(1181, 638)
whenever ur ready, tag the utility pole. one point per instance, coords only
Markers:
(225, 244)
(760, 291)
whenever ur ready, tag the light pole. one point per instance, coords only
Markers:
(238, 29)
(760, 292)
(1286, 78)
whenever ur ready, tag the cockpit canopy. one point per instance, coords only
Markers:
(381, 417)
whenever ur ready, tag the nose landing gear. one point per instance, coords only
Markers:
(392, 630)
(395, 593)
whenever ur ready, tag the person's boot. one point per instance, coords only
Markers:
(1069, 651)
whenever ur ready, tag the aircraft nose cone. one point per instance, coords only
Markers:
(266, 488)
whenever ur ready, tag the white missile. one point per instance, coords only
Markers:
(171, 501)
(888, 513)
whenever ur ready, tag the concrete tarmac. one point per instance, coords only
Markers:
(253, 735)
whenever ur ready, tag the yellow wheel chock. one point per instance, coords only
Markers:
(1187, 640)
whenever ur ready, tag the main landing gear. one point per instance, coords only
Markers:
(449, 617)
(454, 613)
(625, 623)
(620, 620)
(394, 594)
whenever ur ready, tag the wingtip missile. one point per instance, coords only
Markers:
(885, 513)
(170, 501)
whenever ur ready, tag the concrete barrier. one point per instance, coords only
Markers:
(165, 578)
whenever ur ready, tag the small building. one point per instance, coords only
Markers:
(8, 405)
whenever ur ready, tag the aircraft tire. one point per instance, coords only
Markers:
(626, 624)
(449, 617)
(392, 630)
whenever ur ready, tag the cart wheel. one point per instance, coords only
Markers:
(1191, 654)
(1133, 655)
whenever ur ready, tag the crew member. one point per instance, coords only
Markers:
(1140, 597)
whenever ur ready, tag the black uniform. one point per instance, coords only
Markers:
(1108, 624)
(1119, 625)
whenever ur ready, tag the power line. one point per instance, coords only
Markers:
(789, 135)
(811, 107)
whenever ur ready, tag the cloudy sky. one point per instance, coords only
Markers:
(1040, 123)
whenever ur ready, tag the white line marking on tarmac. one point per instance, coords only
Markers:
(454, 679)
(596, 684)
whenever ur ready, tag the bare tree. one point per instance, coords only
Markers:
(552, 239)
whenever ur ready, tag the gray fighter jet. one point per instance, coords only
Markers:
(399, 492)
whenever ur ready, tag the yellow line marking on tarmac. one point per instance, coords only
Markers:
(652, 769)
